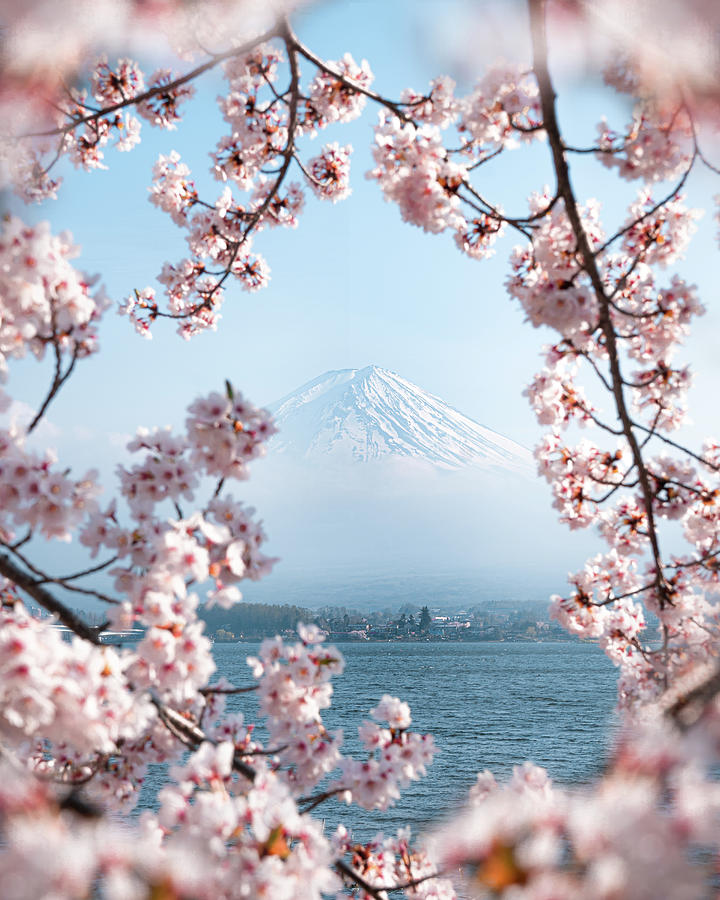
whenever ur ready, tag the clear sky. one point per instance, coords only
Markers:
(353, 285)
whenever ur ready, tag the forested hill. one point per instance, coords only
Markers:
(252, 620)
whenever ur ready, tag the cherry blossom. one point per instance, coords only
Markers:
(81, 722)
(45, 300)
(329, 173)
(507, 96)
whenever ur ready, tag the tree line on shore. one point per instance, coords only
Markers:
(248, 621)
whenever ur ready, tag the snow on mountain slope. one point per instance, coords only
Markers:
(372, 413)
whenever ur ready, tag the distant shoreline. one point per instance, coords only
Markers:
(474, 640)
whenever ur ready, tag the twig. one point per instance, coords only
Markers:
(234, 690)
(309, 803)
(39, 593)
(216, 59)
(57, 382)
(192, 736)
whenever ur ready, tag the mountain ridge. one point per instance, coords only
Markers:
(372, 414)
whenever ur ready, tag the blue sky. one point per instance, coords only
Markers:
(353, 285)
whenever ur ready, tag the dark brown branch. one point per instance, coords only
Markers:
(350, 873)
(671, 443)
(380, 891)
(234, 690)
(616, 597)
(58, 381)
(191, 736)
(600, 424)
(42, 596)
(61, 579)
(21, 541)
(217, 58)
(689, 707)
(43, 578)
(594, 365)
(87, 592)
(520, 222)
(589, 264)
(309, 803)
(490, 211)
(297, 46)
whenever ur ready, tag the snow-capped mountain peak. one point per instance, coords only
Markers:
(372, 413)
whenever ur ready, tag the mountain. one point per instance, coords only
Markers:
(373, 414)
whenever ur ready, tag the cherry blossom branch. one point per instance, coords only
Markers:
(606, 384)
(600, 424)
(191, 736)
(61, 579)
(44, 578)
(58, 381)
(282, 31)
(41, 595)
(651, 212)
(309, 803)
(22, 541)
(589, 263)
(516, 222)
(616, 597)
(216, 59)
(350, 873)
(381, 891)
(208, 691)
(652, 431)
(411, 883)
(621, 283)
(292, 41)
(683, 449)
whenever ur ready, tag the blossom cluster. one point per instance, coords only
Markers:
(529, 839)
(242, 825)
(294, 687)
(37, 495)
(46, 302)
(387, 861)
(250, 842)
(75, 695)
(91, 704)
(547, 276)
(431, 184)
(396, 757)
(264, 129)
(657, 145)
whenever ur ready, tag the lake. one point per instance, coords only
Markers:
(488, 705)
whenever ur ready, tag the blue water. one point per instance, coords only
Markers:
(488, 705)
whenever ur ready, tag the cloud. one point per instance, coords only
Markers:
(118, 439)
(21, 415)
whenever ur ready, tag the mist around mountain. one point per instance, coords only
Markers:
(374, 490)
(391, 497)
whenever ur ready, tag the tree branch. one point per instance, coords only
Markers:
(42, 596)
(57, 382)
(589, 264)
(216, 59)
